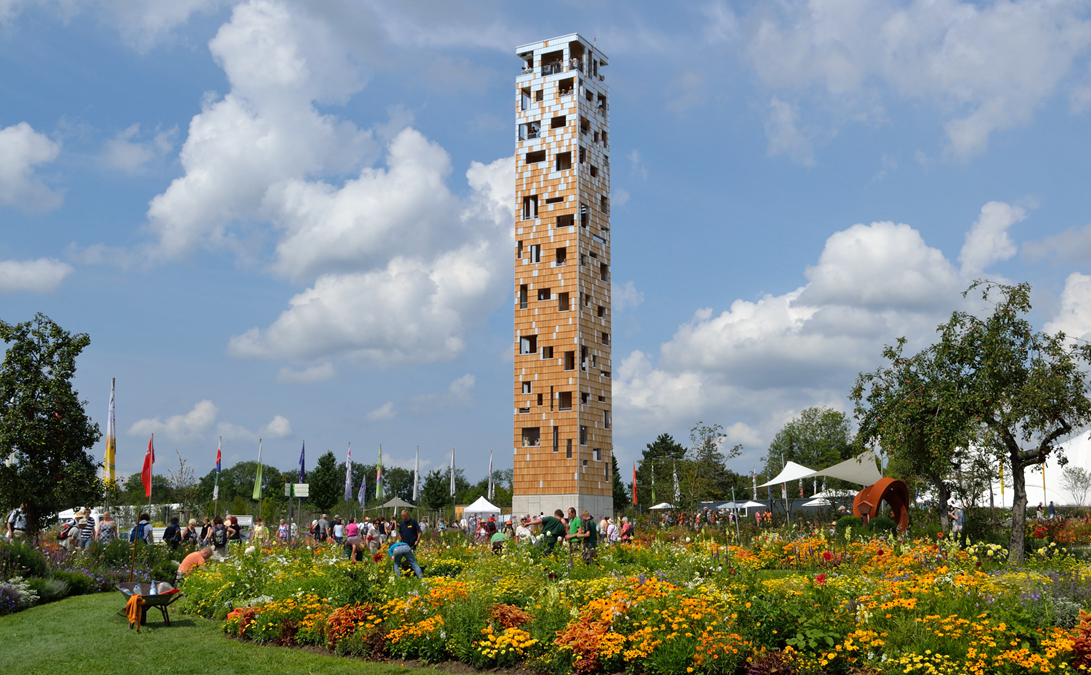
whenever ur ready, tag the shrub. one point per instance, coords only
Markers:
(849, 521)
(21, 559)
(882, 524)
(49, 590)
(78, 583)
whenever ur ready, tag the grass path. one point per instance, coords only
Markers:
(85, 636)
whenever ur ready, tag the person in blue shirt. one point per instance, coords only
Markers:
(400, 551)
(408, 530)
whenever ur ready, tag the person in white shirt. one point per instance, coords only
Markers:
(612, 533)
(523, 533)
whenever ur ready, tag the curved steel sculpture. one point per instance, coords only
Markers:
(893, 492)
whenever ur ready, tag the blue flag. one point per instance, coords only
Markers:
(362, 495)
(302, 456)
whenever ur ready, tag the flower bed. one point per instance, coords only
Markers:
(804, 605)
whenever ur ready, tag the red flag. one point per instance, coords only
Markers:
(146, 473)
(634, 483)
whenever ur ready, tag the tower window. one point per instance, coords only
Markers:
(530, 207)
(526, 387)
(606, 420)
(570, 360)
(543, 294)
(566, 86)
(556, 438)
(604, 204)
(558, 122)
(528, 344)
(547, 352)
(567, 220)
(583, 155)
(604, 271)
(539, 400)
(529, 130)
(596, 454)
(563, 161)
(568, 448)
(519, 249)
(583, 435)
(531, 437)
(562, 255)
(584, 397)
(535, 251)
(539, 96)
(535, 157)
(605, 338)
(523, 296)
(524, 102)
(602, 311)
(594, 169)
(564, 401)
(562, 302)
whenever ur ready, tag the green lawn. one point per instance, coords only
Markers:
(85, 636)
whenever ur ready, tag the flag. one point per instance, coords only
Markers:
(348, 476)
(452, 473)
(754, 479)
(302, 456)
(361, 496)
(490, 476)
(257, 478)
(379, 491)
(146, 472)
(111, 441)
(677, 494)
(653, 487)
(216, 487)
(416, 477)
(634, 483)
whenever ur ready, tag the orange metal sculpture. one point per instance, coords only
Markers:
(893, 492)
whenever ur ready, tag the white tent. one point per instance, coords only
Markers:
(861, 470)
(790, 472)
(661, 506)
(818, 502)
(834, 494)
(482, 505)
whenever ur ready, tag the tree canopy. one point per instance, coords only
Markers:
(990, 383)
(43, 425)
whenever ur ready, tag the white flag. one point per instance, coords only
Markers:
(416, 478)
(490, 476)
(452, 473)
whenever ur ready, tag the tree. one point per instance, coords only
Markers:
(656, 470)
(709, 463)
(135, 495)
(816, 438)
(184, 484)
(436, 489)
(989, 382)
(327, 483)
(1076, 481)
(43, 425)
(622, 498)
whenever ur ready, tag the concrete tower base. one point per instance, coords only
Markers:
(599, 506)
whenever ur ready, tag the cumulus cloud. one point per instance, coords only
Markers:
(763, 360)
(193, 425)
(1074, 315)
(319, 373)
(126, 152)
(34, 276)
(986, 67)
(383, 412)
(181, 428)
(21, 150)
(1073, 244)
(988, 241)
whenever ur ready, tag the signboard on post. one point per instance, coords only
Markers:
(301, 489)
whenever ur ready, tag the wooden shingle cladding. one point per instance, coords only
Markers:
(571, 214)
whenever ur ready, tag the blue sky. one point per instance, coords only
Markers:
(293, 222)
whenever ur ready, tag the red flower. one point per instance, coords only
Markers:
(820, 579)
(939, 535)
(378, 557)
(880, 552)
(827, 556)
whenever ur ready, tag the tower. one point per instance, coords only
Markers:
(562, 393)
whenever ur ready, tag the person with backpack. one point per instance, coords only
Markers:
(322, 529)
(142, 531)
(173, 535)
(626, 530)
(217, 539)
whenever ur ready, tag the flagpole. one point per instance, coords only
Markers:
(111, 447)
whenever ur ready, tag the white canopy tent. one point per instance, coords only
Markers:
(818, 502)
(661, 506)
(482, 505)
(861, 470)
(790, 472)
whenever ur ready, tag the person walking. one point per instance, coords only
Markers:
(218, 539)
(87, 529)
(409, 530)
(626, 534)
(259, 534)
(588, 533)
(106, 531)
(172, 536)
(206, 528)
(282, 532)
(17, 523)
(189, 535)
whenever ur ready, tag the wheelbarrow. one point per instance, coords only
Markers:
(160, 601)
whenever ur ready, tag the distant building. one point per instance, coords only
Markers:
(562, 391)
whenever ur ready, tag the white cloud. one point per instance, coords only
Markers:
(625, 296)
(1073, 244)
(753, 365)
(881, 265)
(988, 241)
(637, 167)
(319, 373)
(986, 67)
(1074, 315)
(619, 197)
(383, 412)
(180, 428)
(126, 153)
(459, 393)
(784, 136)
(22, 149)
(279, 427)
(35, 276)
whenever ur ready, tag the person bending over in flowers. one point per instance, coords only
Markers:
(553, 529)
(401, 551)
(355, 545)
